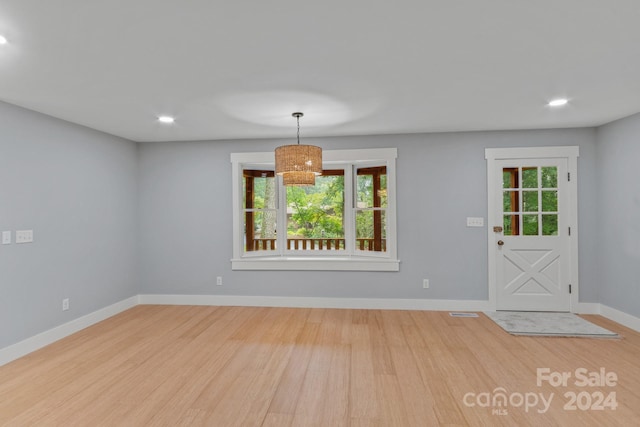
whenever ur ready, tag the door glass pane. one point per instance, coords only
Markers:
(549, 201)
(529, 210)
(549, 177)
(510, 201)
(530, 177)
(530, 225)
(511, 225)
(530, 201)
(510, 178)
(371, 230)
(549, 225)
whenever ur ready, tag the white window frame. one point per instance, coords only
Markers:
(347, 259)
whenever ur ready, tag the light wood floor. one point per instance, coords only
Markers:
(240, 366)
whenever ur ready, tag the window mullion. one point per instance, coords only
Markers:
(390, 210)
(238, 211)
(281, 217)
(349, 215)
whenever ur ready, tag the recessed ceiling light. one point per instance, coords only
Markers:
(166, 119)
(558, 102)
(3, 39)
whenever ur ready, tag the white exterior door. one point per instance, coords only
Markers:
(531, 215)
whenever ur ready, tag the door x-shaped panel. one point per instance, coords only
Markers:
(531, 272)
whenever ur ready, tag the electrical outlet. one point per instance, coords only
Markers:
(6, 237)
(475, 222)
(65, 304)
(219, 281)
(425, 283)
(24, 236)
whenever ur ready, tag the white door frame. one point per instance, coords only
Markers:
(571, 154)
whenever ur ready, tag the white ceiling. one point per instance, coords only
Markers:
(238, 69)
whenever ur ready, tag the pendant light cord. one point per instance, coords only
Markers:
(297, 116)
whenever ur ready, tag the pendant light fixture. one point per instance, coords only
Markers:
(299, 164)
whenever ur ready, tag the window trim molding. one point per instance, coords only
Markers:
(308, 263)
(338, 262)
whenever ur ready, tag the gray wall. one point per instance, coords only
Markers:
(77, 189)
(185, 218)
(113, 219)
(618, 208)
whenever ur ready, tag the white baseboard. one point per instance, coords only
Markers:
(621, 317)
(36, 342)
(588, 308)
(318, 302)
(29, 345)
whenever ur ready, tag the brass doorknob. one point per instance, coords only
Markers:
(500, 243)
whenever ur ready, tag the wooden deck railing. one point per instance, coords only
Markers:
(315, 244)
(325, 244)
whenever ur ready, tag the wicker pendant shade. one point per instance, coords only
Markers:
(299, 164)
(299, 179)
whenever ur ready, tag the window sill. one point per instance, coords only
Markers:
(316, 263)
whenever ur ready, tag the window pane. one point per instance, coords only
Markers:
(365, 191)
(315, 214)
(259, 189)
(529, 177)
(529, 201)
(371, 187)
(260, 230)
(371, 230)
(549, 225)
(530, 225)
(549, 177)
(511, 225)
(510, 201)
(265, 193)
(549, 201)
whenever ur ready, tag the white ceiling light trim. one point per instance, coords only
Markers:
(559, 102)
(166, 119)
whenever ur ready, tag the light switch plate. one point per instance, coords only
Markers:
(6, 237)
(24, 236)
(475, 222)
